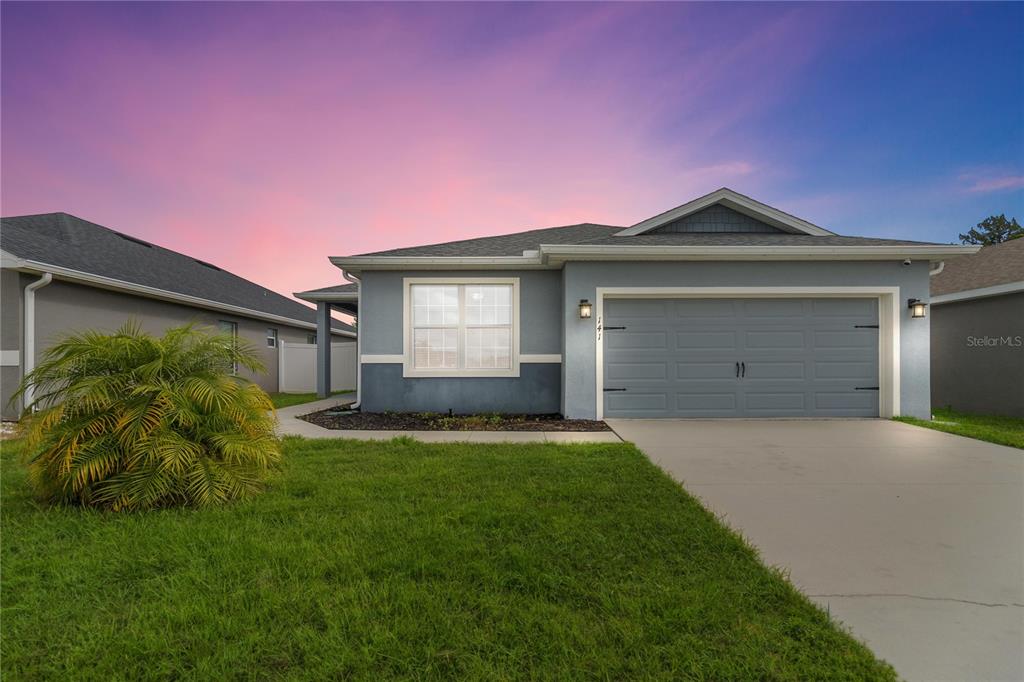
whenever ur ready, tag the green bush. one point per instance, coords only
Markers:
(129, 421)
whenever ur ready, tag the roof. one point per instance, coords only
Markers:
(590, 234)
(991, 266)
(338, 289)
(507, 244)
(68, 242)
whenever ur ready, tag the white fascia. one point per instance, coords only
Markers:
(556, 253)
(983, 292)
(736, 201)
(101, 282)
(355, 264)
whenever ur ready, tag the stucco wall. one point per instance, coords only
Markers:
(582, 280)
(977, 355)
(10, 338)
(536, 390)
(63, 307)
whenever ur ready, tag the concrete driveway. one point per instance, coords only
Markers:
(911, 537)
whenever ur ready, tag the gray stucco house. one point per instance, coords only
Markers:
(721, 307)
(60, 274)
(978, 332)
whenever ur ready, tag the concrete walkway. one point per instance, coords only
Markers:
(290, 425)
(913, 538)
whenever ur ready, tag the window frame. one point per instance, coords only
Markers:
(233, 328)
(409, 370)
(272, 337)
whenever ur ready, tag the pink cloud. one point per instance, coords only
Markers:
(995, 184)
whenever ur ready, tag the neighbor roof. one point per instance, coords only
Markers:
(992, 266)
(69, 242)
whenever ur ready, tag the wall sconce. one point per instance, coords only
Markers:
(918, 308)
(585, 309)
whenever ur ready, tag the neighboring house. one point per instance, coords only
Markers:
(978, 332)
(721, 307)
(62, 274)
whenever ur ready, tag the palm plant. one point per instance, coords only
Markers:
(129, 421)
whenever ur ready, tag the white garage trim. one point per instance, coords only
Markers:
(888, 325)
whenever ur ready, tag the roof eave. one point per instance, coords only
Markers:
(560, 253)
(67, 274)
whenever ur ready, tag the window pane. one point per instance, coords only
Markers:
(488, 348)
(489, 304)
(435, 348)
(435, 305)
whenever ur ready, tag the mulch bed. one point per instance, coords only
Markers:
(424, 421)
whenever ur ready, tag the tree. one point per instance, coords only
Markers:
(129, 421)
(995, 229)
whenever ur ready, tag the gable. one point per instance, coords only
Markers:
(718, 219)
(734, 201)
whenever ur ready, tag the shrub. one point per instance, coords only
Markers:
(129, 421)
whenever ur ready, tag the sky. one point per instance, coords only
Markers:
(266, 137)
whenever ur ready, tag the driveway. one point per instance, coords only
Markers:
(911, 537)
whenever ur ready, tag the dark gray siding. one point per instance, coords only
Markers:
(977, 355)
(716, 218)
(537, 390)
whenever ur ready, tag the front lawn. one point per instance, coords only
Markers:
(405, 560)
(994, 429)
(288, 399)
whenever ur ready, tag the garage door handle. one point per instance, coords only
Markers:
(743, 369)
(609, 390)
(737, 370)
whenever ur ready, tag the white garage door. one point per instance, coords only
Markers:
(812, 357)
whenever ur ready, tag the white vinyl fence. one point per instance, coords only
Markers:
(297, 367)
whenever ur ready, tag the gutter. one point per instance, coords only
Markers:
(359, 361)
(28, 345)
(552, 256)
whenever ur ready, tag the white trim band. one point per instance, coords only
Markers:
(381, 359)
(10, 358)
(539, 358)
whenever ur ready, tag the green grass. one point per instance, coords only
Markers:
(288, 399)
(401, 560)
(991, 428)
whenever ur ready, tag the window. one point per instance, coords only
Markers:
(231, 329)
(271, 337)
(310, 338)
(461, 327)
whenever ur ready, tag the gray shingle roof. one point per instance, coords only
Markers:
(337, 289)
(993, 265)
(591, 234)
(66, 241)
(507, 244)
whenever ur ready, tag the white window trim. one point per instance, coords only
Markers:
(273, 335)
(889, 312)
(408, 368)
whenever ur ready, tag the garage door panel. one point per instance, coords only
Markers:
(775, 403)
(638, 340)
(705, 370)
(768, 370)
(707, 340)
(846, 370)
(638, 371)
(706, 402)
(781, 340)
(802, 357)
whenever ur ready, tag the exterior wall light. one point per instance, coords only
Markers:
(918, 308)
(585, 309)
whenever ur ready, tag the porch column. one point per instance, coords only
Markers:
(323, 349)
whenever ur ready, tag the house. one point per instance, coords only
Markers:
(62, 274)
(978, 332)
(721, 307)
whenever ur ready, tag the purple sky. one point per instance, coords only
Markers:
(265, 137)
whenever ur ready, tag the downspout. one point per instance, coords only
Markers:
(359, 351)
(28, 346)
(936, 269)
